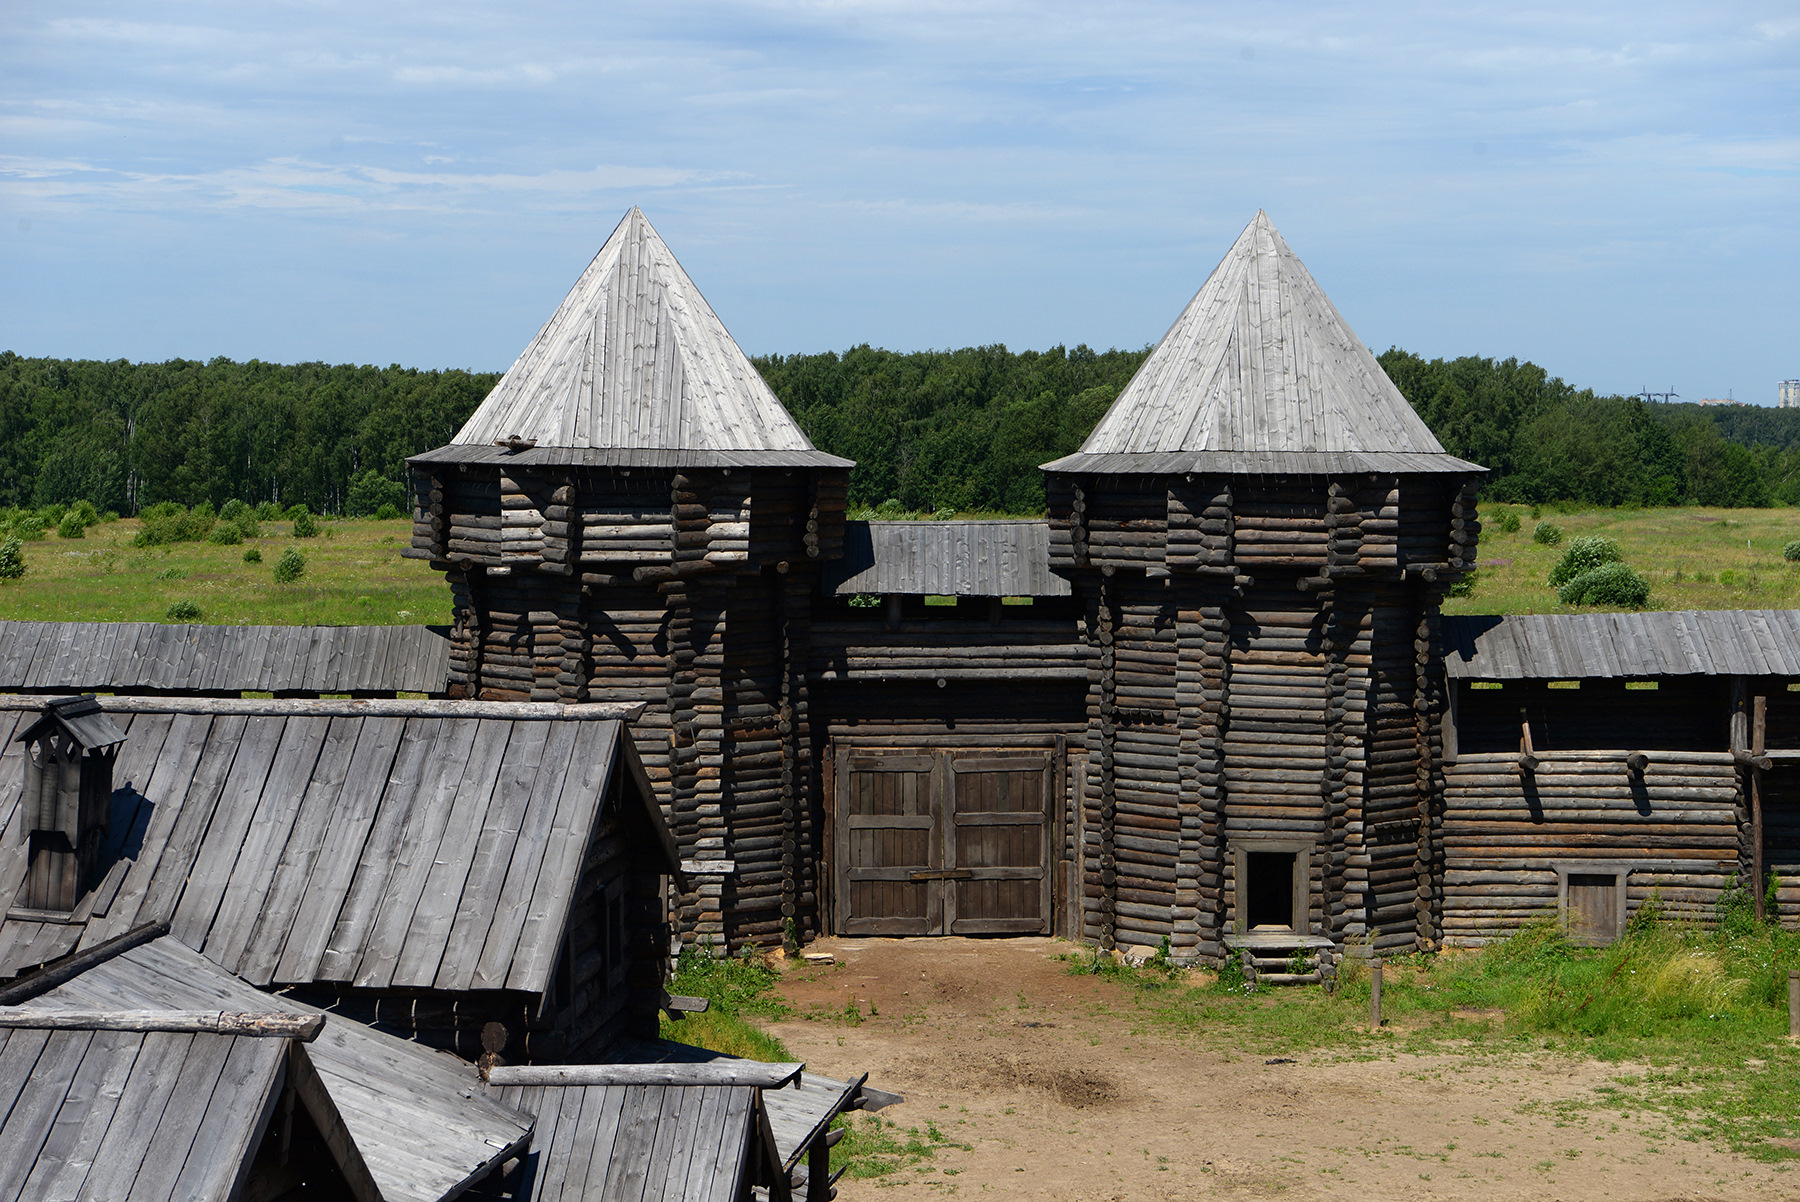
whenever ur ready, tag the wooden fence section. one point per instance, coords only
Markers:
(224, 661)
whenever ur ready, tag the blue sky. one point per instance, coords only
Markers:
(1612, 191)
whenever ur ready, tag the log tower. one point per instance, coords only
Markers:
(1262, 532)
(632, 515)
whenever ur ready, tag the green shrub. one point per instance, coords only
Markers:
(253, 555)
(1791, 552)
(292, 512)
(85, 510)
(1464, 587)
(29, 528)
(247, 525)
(12, 559)
(1608, 584)
(225, 534)
(183, 611)
(290, 567)
(52, 515)
(1548, 533)
(1508, 523)
(167, 522)
(388, 513)
(171, 574)
(1583, 555)
(162, 509)
(232, 510)
(305, 525)
(71, 526)
(370, 492)
(268, 511)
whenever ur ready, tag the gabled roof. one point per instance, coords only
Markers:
(634, 360)
(81, 718)
(1260, 366)
(379, 844)
(420, 1126)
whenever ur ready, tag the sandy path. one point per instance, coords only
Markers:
(1041, 1073)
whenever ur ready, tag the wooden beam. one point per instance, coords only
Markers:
(1759, 727)
(277, 1024)
(324, 1113)
(67, 970)
(255, 707)
(712, 1072)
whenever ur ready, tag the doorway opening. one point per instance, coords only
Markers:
(1269, 891)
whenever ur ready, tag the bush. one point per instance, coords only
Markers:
(370, 492)
(1462, 588)
(225, 534)
(388, 513)
(290, 567)
(1584, 555)
(71, 526)
(305, 525)
(183, 611)
(268, 511)
(247, 525)
(12, 559)
(85, 510)
(1508, 523)
(253, 555)
(232, 510)
(1608, 584)
(160, 510)
(167, 522)
(1548, 533)
(293, 512)
(29, 528)
(1791, 552)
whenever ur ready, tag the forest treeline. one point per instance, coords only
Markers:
(930, 430)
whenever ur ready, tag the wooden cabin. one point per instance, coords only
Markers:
(429, 867)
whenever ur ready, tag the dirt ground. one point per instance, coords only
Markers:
(1061, 1095)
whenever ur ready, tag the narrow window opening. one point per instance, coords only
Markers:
(1270, 892)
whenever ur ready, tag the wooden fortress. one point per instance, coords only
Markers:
(1205, 704)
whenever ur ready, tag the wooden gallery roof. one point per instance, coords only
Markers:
(62, 657)
(375, 844)
(1727, 642)
(967, 559)
(1261, 375)
(634, 369)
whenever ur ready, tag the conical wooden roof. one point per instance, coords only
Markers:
(1260, 374)
(634, 368)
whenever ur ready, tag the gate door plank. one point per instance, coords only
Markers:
(885, 833)
(999, 833)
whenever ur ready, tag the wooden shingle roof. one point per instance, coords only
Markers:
(634, 361)
(310, 842)
(1260, 366)
(98, 1114)
(423, 1129)
(157, 658)
(969, 559)
(1726, 642)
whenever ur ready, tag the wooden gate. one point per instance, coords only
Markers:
(948, 842)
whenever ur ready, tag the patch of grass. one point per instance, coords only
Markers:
(1692, 558)
(1699, 1005)
(103, 578)
(876, 1147)
(739, 991)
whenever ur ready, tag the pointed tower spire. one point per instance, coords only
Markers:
(635, 367)
(1260, 373)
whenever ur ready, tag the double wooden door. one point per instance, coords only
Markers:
(944, 842)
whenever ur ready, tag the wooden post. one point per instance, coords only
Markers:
(1528, 760)
(1794, 1003)
(1758, 729)
(1375, 996)
(818, 1171)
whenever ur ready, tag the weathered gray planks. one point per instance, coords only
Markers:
(634, 358)
(1575, 646)
(149, 657)
(969, 559)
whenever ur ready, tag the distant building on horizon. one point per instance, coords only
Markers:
(1790, 395)
(1720, 401)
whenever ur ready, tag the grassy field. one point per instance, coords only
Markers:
(354, 576)
(1693, 558)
